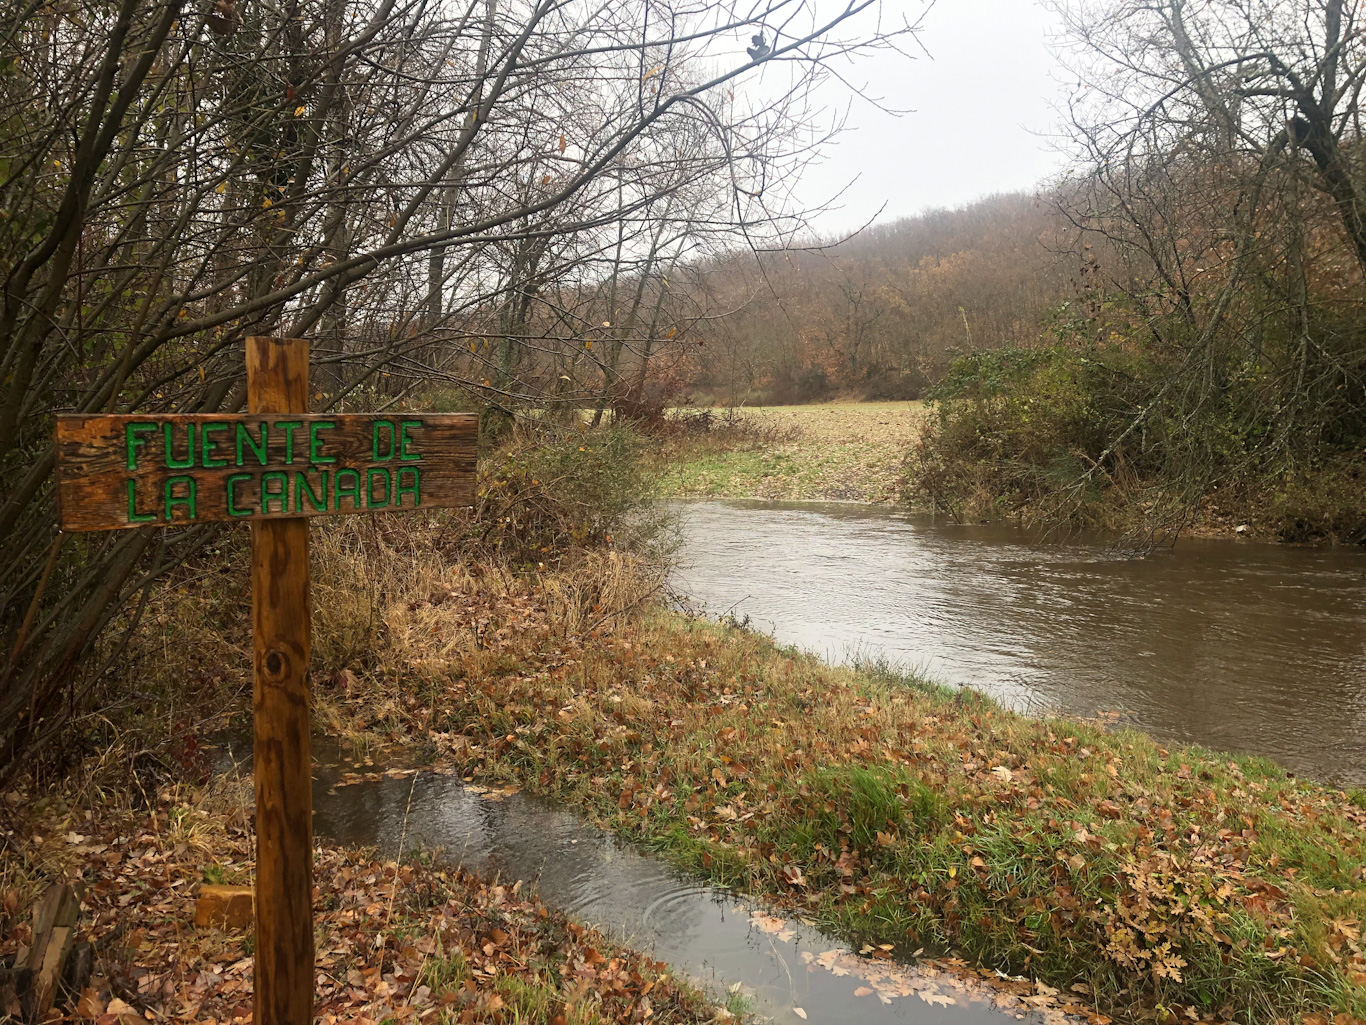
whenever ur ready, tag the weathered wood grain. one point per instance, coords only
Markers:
(277, 382)
(117, 471)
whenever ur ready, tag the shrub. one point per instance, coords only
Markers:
(647, 407)
(1104, 434)
(797, 385)
(889, 384)
(551, 490)
(1015, 427)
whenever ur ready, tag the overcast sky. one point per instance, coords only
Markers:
(979, 120)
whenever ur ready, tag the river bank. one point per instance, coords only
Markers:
(1233, 646)
(898, 813)
(1149, 883)
(898, 453)
(904, 817)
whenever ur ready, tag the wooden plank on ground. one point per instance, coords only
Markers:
(49, 974)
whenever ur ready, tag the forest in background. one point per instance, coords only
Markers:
(1171, 335)
(882, 314)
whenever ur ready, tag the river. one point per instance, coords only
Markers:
(1234, 645)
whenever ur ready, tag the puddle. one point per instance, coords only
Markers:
(790, 971)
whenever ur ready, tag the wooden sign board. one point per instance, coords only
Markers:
(271, 468)
(137, 471)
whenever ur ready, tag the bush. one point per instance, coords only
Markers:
(645, 408)
(798, 385)
(551, 490)
(889, 384)
(1097, 434)
(1015, 427)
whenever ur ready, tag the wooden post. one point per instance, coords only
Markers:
(273, 467)
(277, 382)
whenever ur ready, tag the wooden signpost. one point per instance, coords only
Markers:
(274, 467)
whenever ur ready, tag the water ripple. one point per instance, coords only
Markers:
(1237, 646)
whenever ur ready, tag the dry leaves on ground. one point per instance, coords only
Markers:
(396, 942)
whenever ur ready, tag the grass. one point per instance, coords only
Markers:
(851, 451)
(1158, 882)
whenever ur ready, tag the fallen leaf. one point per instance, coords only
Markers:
(90, 1005)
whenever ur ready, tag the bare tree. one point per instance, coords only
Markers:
(176, 178)
(1220, 178)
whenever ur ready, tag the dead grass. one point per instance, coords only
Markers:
(191, 676)
(852, 451)
(567, 509)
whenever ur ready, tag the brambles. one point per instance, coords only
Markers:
(1013, 428)
(551, 490)
(1098, 435)
(903, 815)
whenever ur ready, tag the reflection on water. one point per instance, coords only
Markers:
(1238, 646)
(703, 932)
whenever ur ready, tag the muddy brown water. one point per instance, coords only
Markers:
(788, 971)
(1237, 646)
